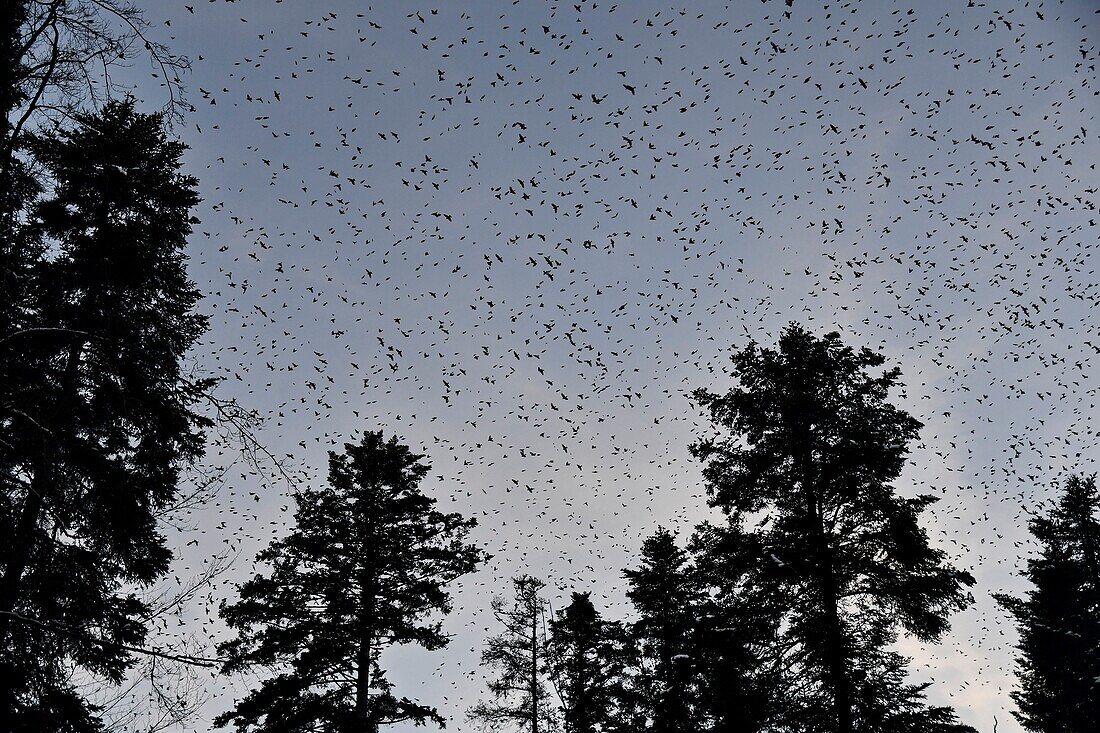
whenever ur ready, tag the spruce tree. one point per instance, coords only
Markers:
(365, 568)
(666, 600)
(586, 665)
(806, 452)
(887, 701)
(1059, 617)
(519, 691)
(740, 664)
(96, 414)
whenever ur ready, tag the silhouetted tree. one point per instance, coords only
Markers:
(1059, 618)
(519, 657)
(810, 449)
(13, 69)
(666, 599)
(586, 663)
(886, 701)
(95, 413)
(57, 61)
(366, 566)
(741, 664)
(64, 56)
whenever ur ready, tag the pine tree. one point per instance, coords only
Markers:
(740, 665)
(586, 665)
(366, 567)
(1059, 618)
(520, 692)
(807, 450)
(96, 415)
(666, 601)
(885, 700)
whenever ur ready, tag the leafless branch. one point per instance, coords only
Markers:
(68, 52)
(147, 651)
(243, 423)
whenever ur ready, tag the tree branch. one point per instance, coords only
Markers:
(76, 633)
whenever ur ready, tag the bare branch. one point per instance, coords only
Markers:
(147, 651)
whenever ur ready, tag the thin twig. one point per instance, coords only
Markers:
(75, 633)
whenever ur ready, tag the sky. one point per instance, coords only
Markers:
(517, 235)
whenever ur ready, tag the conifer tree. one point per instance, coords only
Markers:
(886, 701)
(666, 600)
(807, 449)
(741, 665)
(519, 693)
(365, 568)
(96, 415)
(586, 664)
(1059, 617)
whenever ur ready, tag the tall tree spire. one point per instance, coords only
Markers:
(808, 447)
(366, 567)
(1059, 617)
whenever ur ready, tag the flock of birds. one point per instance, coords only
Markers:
(518, 235)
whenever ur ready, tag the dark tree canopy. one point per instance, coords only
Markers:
(739, 663)
(575, 641)
(58, 61)
(587, 665)
(666, 599)
(1059, 618)
(807, 450)
(366, 567)
(95, 411)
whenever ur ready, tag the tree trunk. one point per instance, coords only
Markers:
(365, 652)
(23, 539)
(41, 485)
(12, 580)
(535, 670)
(22, 544)
(362, 686)
(836, 657)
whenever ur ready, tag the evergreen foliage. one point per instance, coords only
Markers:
(1059, 618)
(96, 414)
(807, 450)
(586, 664)
(666, 599)
(365, 568)
(741, 660)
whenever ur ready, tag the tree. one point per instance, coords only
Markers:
(667, 601)
(97, 418)
(365, 568)
(586, 665)
(886, 701)
(1059, 618)
(57, 62)
(519, 692)
(741, 664)
(61, 56)
(806, 452)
